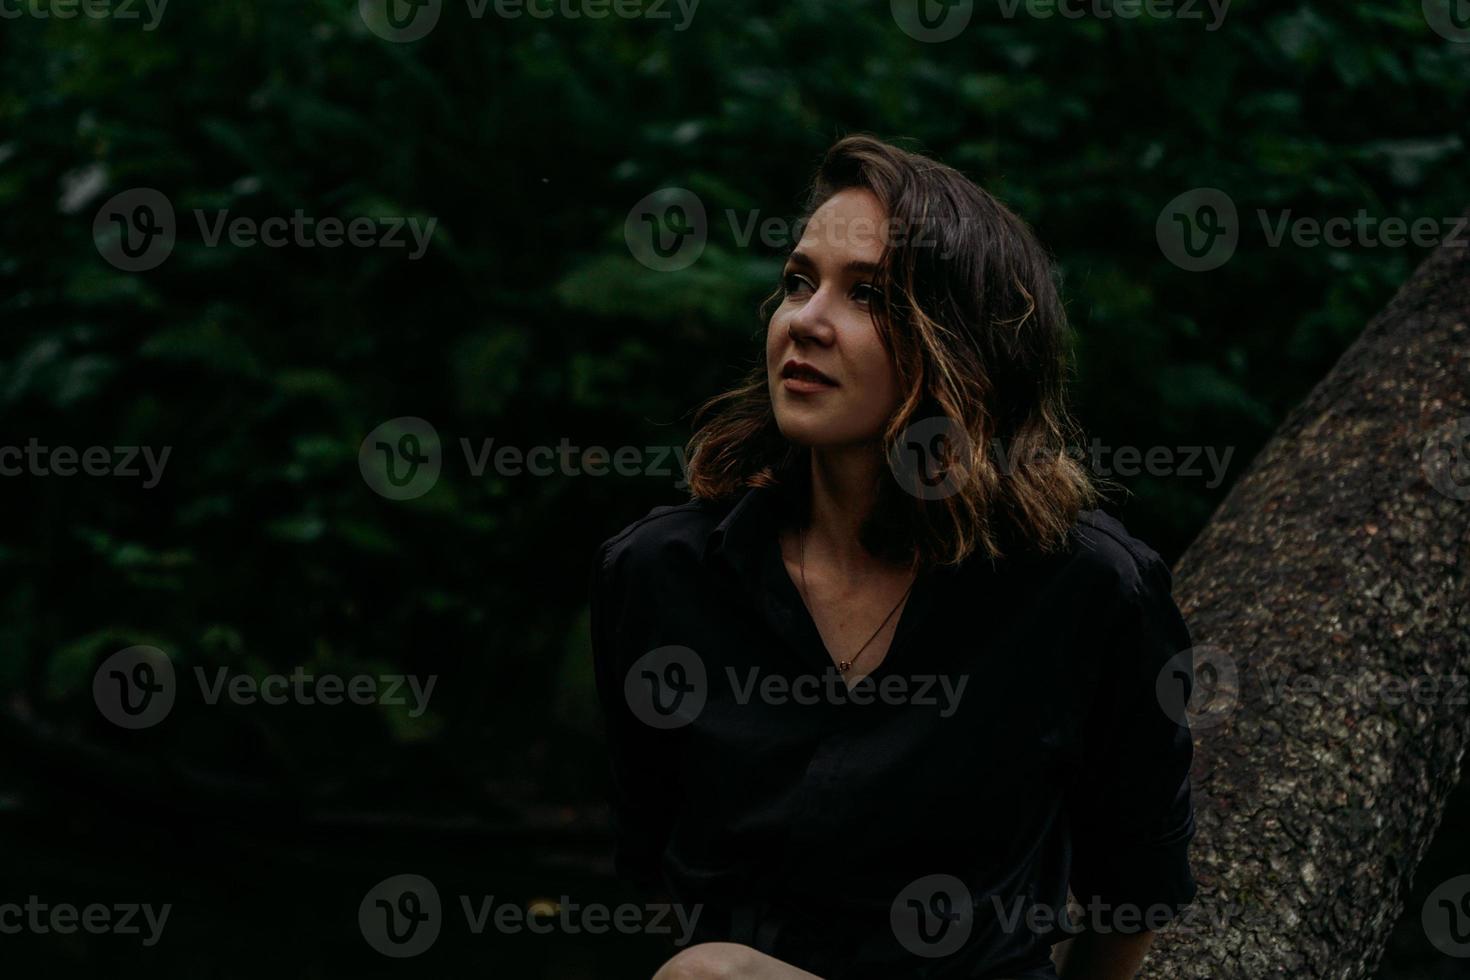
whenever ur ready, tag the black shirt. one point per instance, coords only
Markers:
(927, 822)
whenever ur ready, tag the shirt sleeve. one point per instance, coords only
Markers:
(1130, 810)
(642, 797)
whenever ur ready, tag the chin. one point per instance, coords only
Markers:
(803, 432)
(812, 433)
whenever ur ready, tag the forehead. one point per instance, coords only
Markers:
(850, 226)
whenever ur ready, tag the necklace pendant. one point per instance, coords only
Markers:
(844, 665)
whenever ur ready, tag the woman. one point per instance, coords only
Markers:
(885, 687)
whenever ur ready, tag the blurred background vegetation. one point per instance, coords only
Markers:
(529, 321)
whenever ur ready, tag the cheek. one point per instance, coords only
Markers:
(876, 366)
(774, 331)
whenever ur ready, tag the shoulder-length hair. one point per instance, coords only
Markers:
(971, 316)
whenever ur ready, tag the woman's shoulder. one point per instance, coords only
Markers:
(666, 533)
(1100, 550)
(1101, 537)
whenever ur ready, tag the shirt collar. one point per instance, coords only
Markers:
(746, 540)
(752, 523)
(749, 525)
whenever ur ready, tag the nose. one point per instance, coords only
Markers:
(812, 322)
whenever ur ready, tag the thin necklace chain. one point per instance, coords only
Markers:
(845, 665)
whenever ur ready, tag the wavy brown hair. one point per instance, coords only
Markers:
(969, 311)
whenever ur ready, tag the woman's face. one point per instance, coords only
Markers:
(832, 382)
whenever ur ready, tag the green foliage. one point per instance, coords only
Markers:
(528, 321)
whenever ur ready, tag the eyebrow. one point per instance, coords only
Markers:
(856, 266)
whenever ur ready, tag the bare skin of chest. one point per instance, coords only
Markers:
(849, 610)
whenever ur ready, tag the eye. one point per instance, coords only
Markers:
(792, 283)
(864, 292)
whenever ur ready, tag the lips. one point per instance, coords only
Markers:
(802, 372)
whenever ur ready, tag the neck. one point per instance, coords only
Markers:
(844, 490)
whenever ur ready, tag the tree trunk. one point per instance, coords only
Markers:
(1341, 554)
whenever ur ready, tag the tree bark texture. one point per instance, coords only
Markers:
(1341, 555)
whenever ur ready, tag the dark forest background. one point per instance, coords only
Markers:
(529, 320)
